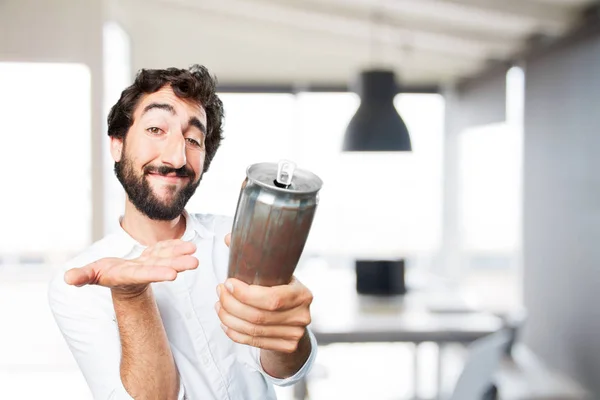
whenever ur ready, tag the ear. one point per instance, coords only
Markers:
(116, 148)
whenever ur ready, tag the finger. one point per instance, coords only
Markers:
(275, 298)
(80, 276)
(152, 250)
(171, 248)
(228, 239)
(135, 272)
(175, 248)
(272, 331)
(275, 344)
(179, 263)
(150, 275)
(299, 316)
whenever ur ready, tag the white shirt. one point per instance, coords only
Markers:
(210, 365)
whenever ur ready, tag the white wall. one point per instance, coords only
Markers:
(61, 31)
(562, 209)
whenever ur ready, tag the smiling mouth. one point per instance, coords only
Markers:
(171, 177)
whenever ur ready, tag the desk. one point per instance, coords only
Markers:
(429, 312)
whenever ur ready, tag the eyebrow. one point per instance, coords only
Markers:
(195, 122)
(160, 106)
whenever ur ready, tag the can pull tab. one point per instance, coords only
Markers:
(285, 173)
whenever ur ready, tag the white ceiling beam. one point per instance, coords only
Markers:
(364, 10)
(506, 17)
(232, 35)
(568, 3)
(496, 14)
(546, 13)
(271, 53)
(275, 13)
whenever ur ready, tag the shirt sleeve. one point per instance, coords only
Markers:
(84, 318)
(252, 360)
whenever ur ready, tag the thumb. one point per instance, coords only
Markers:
(79, 276)
(228, 239)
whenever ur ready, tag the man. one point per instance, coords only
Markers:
(147, 311)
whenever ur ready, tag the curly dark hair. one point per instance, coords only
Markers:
(194, 83)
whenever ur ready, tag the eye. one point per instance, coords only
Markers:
(154, 130)
(193, 142)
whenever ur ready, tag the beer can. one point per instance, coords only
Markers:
(274, 214)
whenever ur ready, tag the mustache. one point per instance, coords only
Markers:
(182, 172)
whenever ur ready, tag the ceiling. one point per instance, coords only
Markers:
(326, 42)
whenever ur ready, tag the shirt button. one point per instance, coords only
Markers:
(188, 315)
(205, 360)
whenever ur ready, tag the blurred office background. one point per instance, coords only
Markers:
(495, 211)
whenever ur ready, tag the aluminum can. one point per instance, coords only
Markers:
(274, 214)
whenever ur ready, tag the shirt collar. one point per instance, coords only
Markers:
(125, 244)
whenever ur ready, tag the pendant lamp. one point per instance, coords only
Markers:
(376, 126)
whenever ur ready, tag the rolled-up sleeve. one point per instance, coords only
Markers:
(86, 320)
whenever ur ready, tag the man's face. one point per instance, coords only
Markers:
(161, 160)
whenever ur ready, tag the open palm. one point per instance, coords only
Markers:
(158, 263)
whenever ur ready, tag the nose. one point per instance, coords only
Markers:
(174, 151)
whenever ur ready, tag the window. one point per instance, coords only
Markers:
(45, 154)
(490, 171)
(374, 204)
(490, 203)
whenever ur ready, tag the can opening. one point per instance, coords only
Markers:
(285, 174)
(279, 185)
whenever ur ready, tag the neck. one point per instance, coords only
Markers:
(148, 232)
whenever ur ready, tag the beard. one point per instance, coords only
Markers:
(142, 196)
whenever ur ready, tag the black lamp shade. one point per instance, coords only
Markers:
(376, 126)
